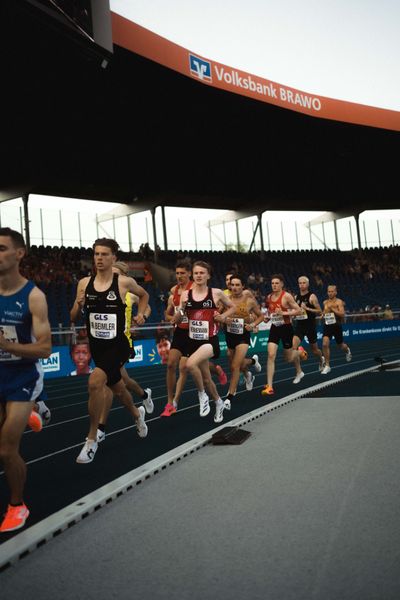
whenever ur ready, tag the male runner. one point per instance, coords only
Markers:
(281, 307)
(304, 323)
(333, 315)
(199, 304)
(102, 297)
(25, 336)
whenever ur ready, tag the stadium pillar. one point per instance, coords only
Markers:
(153, 218)
(336, 237)
(357, 218)
(164, 228)
(259, 219)
(237, 236)
(25, 199)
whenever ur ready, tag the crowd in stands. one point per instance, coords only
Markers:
(368, 279)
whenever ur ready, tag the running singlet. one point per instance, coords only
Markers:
(277, 320)
(176, 300)
(201, 316)
(237, 321)
(105, 315)
(16, 324)
(305, 314)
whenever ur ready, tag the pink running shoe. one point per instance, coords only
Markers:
(168, 411)
(222, 378)
(35, 421)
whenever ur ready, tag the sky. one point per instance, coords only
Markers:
(342, 49)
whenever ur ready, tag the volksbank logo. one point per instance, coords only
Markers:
(200, 68)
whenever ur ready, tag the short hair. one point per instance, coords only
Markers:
(303, 277)
(278, 276)
(108, 243)
(240, 277)
(16, 237)
(184, 263)
(203, 265)
(121, 266)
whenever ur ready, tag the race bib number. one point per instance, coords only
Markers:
(303, 315)
(236, 326)
(103, 326)
(277, 320)
(184, 318)
(10, 334)
(198, 330)
(330, 318)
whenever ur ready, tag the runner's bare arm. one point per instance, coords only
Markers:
(76, 310)
(254, 308)
(133, 287)
(221, 298)
(314, 301)
(41, 348)
(291, 309)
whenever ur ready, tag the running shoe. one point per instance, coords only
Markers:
(257, 366)
(148, 402)
(326, 370)
(222, 378)
(322, 364)
(348, 355)
(141, 426)
(249, 379)
(299, 377)
(15, 518)
(168, 411)
(204, 404)
(88, 451)
(268, 390)
(35, 421)
(227, 404)
(101, 436)
(302, 353)
(44, 412)
(219, 411)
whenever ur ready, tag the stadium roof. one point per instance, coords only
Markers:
(138, 133)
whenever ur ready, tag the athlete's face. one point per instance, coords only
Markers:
(276, 284)
(332, 291)
(182, 276)
(303, 285)
(163, 348)
(228, 278)
(201, 275)
(81, 356)
(103, 258)
(236, 287)
(10, 257)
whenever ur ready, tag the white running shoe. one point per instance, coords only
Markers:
(141, 426)
(348, 355)
(298, 377)
(227, 404)
(101, 436)
(326, 370)
(249, 379)
(257, 366)
(322, 364)
(219, 411)
(204, 404)
(87, 453)
(148, 402)
(44, 412)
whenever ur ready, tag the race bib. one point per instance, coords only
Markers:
(103, 326)
(184, 318)
(303, 315)
(277, 320)
(330, 318)
(10, 334)
(198, 330)
(235, 326)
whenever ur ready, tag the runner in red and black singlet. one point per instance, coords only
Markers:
(199, 304)
(281, 307)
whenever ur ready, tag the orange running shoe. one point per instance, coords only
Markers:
(267, 391)
(222, 378)
(168, 411)
(15, 518)
(302, 353)
(35, 421)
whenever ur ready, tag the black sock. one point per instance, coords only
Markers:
(101, 427)
(144, 396)
(17, 504)
(230, 396)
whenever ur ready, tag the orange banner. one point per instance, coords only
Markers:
(133, 37)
